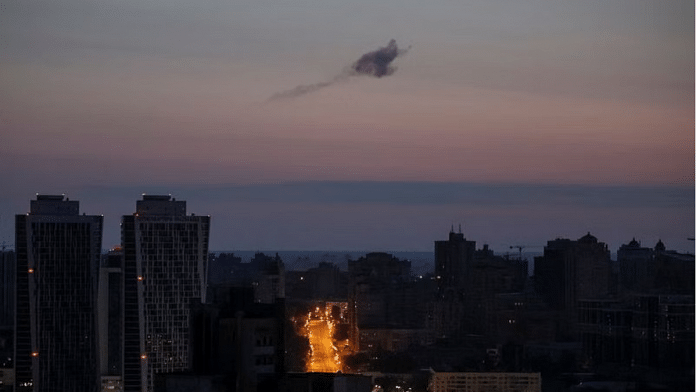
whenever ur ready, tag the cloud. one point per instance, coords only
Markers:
(376, 64)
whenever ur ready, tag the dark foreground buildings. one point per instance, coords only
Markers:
(148, 320)
(165, 255)
(58, 253)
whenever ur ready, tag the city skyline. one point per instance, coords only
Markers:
(412, 216)
(538, 120)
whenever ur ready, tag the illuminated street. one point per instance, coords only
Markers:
(323, 354)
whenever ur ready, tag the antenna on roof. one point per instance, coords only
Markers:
(460, 228)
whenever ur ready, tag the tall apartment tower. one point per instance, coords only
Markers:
(570, 271)
(453, 259)
(636, 266)
(165, 255)
(58, 253)
(7, 287)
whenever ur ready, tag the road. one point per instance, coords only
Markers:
(323, 353)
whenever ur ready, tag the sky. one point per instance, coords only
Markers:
(524, 121)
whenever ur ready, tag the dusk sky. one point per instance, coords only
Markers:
(524, 121)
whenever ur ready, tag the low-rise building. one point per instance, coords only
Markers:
(483, 382)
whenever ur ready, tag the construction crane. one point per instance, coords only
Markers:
(520, 247)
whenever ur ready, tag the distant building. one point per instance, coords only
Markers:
(379, 266)
(653, 331)
(655, 270)
(392, 339)
(489, 276)
(572, 270)
(224, 269)
(674, 271)
(483, 382)
(468, 281)
(520, 318)
(383, 296)
(323, 282)
(446, 317)
(663, 331)
(636, 267)
(110, 318)
(269, 283)
(453, 259)
(240, 339)
(165, 270)
(58, 253)
(605, 328)
(266, 274)
(373, 278)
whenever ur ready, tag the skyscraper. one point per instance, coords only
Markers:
(58, 254)
(165, 270)
(7, 286)
(453, 260)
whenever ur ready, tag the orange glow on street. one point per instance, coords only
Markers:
(323, 355)
(324, 352)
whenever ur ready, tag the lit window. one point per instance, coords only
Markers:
(31, 270)
(35, 354)
(140, 278)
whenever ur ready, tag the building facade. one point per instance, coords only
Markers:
(453, 259)
(636, 267)
(645, 330)
(110, 318)
(7, 287)
(483, 382)
(165, 255)
(58, 253)
(570, 271)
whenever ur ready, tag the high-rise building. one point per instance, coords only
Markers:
(7, 305)
(452, 262)
(269, 283)
(165, 272)
(570, 271)
(7, 287)
(641, 330)
(372, 278)
(58, 253)
(674, 271)
(636, 266)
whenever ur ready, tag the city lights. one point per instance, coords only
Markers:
(325, 352)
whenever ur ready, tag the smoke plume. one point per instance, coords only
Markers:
(376, 64)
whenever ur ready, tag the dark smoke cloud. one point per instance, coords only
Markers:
(376, 64)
